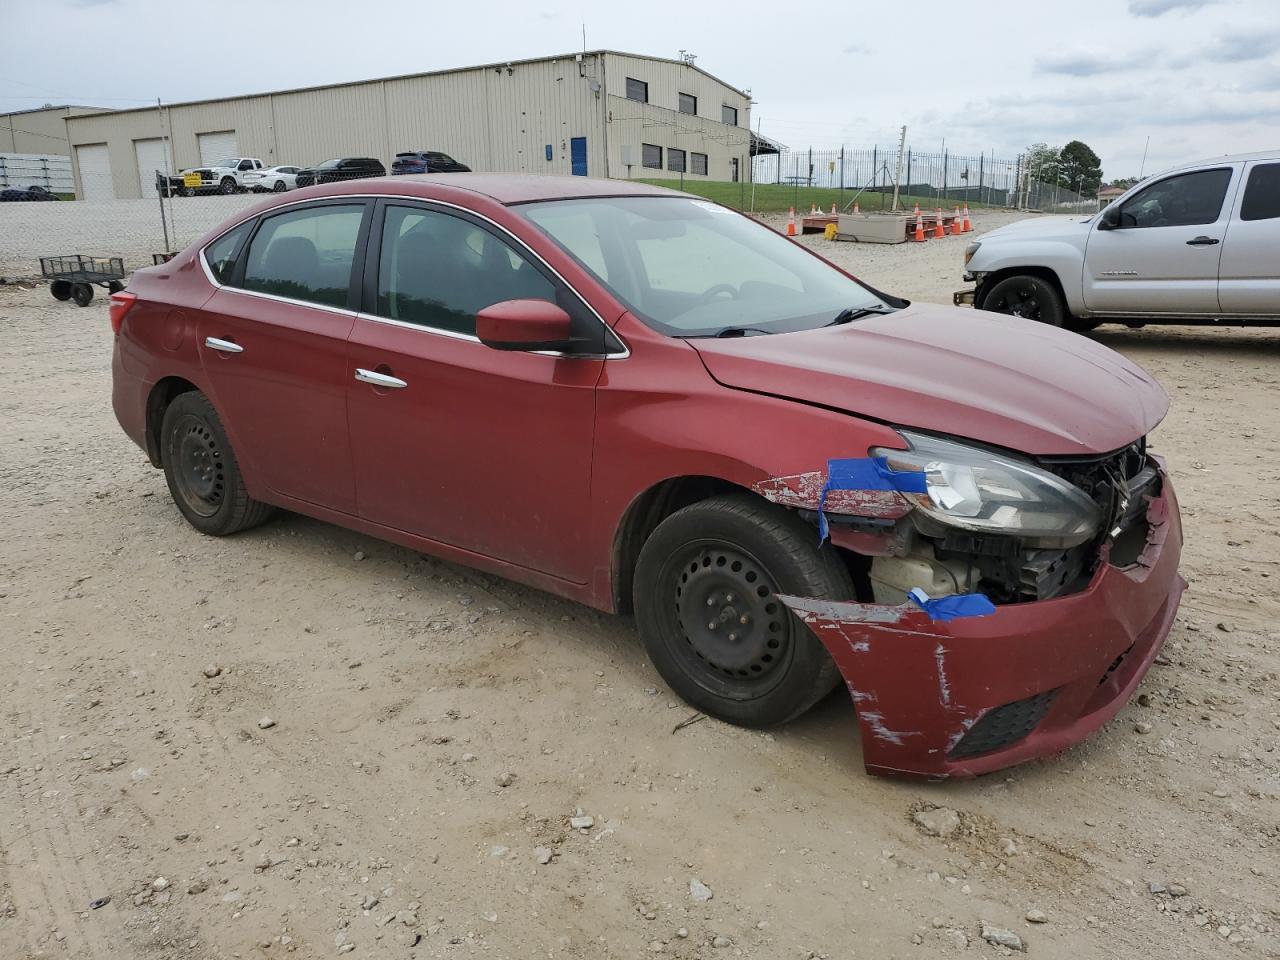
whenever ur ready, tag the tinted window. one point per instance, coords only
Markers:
(651, 156)
(439, 270)
(1262, 193)
(306, 254)
(221, 254)
(688, 103)
(637, 90)
(698, 163)
(1185, 200)
(729, 115)
(675, 160)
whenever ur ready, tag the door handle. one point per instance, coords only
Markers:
(226, 346)
(1202, 242)
(380, 379)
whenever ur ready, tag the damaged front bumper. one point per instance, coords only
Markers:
(977, 694)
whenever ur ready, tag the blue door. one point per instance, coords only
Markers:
(578, 156)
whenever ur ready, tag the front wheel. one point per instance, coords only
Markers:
(1029, 297)
(706, 600)
(201, 469)
(227, 186)
(82, 294)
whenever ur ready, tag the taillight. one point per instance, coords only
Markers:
(121, 303)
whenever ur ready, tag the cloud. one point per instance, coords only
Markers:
(1158, 8)
(1087, 64)
(1243, 46)
(854, 48)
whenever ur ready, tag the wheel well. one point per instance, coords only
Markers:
(643, 516)
(995, 276)
(162, 394)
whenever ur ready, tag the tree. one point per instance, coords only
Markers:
(1079, 168)
(1123, 183)
(1042, 162)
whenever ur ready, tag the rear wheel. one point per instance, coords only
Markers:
(279, 187)
(82, 294)
(61, 289)
(201, 469)
(706, 600)
(1029, 297)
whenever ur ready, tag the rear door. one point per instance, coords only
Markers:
(273, 343)
(481, 449)
(1249, 274)
(1163, 257)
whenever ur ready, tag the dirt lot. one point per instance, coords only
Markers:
(338, 785)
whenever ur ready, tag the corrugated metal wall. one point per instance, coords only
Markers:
(40, 132)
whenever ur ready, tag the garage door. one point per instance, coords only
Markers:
(151, 157)
(95, 172)
(217, 146)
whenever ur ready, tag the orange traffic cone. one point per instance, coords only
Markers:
(938, 231)
(917, 209)
(955, 223)
(791, 223)
(919, 225)
(967, 227)
(856, 211)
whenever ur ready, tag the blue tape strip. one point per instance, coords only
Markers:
(866, 473)
(954, 607)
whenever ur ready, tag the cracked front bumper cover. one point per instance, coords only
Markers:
(978, 694)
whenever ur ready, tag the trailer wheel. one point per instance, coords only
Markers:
(82, 294)
(61, 289)
(115, 286)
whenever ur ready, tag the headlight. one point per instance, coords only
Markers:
(983, 492)
(970, 250)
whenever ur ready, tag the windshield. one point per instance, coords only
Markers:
(690, 268)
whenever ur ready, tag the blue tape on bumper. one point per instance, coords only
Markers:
(951, 608)
(866, 473)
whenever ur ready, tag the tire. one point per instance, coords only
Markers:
(201, 469)
(82, 294)
(279, 187)
(1081, 326)
(61, 289)
(114, 286)
(725, 559)
(1029, 297)
(185, 191)
(227, 186)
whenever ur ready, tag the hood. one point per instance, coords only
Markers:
(1040, 227)
(988, 377)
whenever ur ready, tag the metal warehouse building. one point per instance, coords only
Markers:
(597, 113)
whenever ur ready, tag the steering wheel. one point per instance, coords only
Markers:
(712, 292)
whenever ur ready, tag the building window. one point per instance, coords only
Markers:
(675, 160)
(728, 114)
(698, 163)
(688, 104)
(651, 156)
(637, 90)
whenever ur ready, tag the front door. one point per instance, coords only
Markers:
(481, 449)
(578, 156)
(1163, 255)
(1249, 275)
(273, 344)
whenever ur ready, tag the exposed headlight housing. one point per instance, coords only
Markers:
(970, 250)
(982, 492)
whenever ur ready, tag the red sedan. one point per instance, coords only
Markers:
(647, 402)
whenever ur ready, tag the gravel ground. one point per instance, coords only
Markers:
(302, 741)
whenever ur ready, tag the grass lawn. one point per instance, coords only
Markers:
(779, 197)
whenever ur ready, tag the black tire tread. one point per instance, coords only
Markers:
(1053, 308)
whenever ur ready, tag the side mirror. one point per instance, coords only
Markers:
(524, 325)
(1110, 219)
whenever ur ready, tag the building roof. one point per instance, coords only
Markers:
(53, 106)
(497, 65)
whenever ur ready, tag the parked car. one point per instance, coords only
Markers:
(644, 401)
(221, 176)
(343, 168)
(426, 161)
(1195, 244)
(271, 180)
(35, 192)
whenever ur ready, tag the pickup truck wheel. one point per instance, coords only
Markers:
(1029, 297)
(228, 185)
(706, 600)
(201, 469)
(1081, 326)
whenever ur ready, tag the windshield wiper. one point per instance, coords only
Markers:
(849, 314)
(738, 331)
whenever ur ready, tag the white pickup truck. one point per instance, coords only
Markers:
(1196, 244)
(221, 176)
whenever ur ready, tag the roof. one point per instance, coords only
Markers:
(497, 65)
(1228, 158)
(53, 106)
(505, 188)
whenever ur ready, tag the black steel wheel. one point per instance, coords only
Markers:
(61, 289)
(82, 294)
(228, 185)
(1031, 298)
(201, 469)
(706, 600)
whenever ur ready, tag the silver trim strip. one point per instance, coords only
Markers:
(609, 332)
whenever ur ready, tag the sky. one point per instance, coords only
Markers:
(1199, 78)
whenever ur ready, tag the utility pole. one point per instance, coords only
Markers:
(897, 173)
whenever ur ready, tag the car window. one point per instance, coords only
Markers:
(1184, 200)
(246, 164)
(1262, 193)
(221, 254)
(438, 270)
(306, 254)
